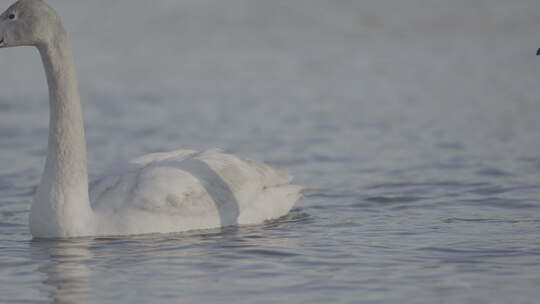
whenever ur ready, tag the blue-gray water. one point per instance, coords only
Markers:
(417, 121)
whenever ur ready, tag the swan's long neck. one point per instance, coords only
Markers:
(61, 207)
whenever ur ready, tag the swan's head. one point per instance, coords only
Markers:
(28, 22)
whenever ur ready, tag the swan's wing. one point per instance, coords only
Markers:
(159, 156)
(117, 178)
(189, 184)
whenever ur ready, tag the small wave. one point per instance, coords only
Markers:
(475, 253)
(394, 200)
(269, 252)
(10, 225)
(443, 184)
(505, 203)
(479, 220)
(493, 172)
(493, 190)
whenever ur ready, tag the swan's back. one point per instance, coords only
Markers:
(185, 190)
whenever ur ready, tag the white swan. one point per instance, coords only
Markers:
(161, 192)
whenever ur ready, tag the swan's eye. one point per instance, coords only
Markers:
(11, 16)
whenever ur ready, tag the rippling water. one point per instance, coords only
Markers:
(416, 121)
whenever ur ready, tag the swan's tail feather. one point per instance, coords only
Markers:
(272, 177)
(272, 203)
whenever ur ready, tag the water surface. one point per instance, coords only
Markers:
(416, 121)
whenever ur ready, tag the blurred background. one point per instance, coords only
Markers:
(330, 80)
(417, 122)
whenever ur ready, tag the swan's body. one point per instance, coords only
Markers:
(161, 192)
(184, 189)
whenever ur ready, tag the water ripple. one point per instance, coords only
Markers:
(479, 220)
(394, 200)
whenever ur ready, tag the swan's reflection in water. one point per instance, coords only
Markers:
(168, 267)
(67, 272)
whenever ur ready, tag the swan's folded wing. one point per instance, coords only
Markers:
(178, 155)
(210, 183)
